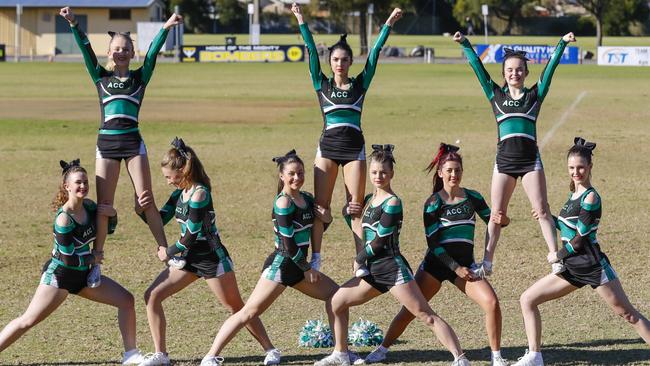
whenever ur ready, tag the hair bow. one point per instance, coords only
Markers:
(510, 52)
(579, 141)
(280, 159)
(385, 147)
(446, 148)
(67, 165)
(125, 34)
(179, 145)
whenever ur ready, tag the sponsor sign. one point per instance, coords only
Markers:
(493, 53)
(624, 56)
(243, 53)
(2, 53)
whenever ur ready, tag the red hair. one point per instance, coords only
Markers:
(444, 154)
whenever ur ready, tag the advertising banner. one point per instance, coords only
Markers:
(243, 53)
(624, 56)
(538, 54)
(3, 54)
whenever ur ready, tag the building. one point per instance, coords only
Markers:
(41, 31)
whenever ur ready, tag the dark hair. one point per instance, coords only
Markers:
(341, 44)
(68, 168)
(182, 157)
(444, 154)
(383, 154)
(282, 161)
(510, 53)
(583, 149)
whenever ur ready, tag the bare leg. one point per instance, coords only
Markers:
(325, 171)
(547, 288)
(614, 295)
(112, 293)
(107, 172)
(429, 286)
(138, 168)
(227, 292)
(323, 289)
(535, 186)
(46, 299)
(409, 295)
(352, 293)
(168, 282)
(482, 293)
(501, 191)
(354, 176)
(264, 294)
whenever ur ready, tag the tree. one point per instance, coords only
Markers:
(597, 8)
(195, 14)
(230, 12)
(508, 10)
(620, 14)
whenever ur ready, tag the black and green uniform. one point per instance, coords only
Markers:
(342, 139)
(200, 243)
(71, 257)
(292, 226)
(381, 227)
(578, 223)
(449, 229)
(119, 135)
(517, 152)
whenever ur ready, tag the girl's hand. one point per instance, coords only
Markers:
(106, 210)
(551, 257)
(353, 209)
(535, 214)
(162, 254)
(569, 37)
(295, 9)
(458, 37)
(394, 17)
(67, 14)
(466, 274)
(312, 275)
(322, 213)
(143, 201)
(173, 20)
(500, 218)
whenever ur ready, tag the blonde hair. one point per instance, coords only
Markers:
(189, 164)
(61, 196)
(110, 64)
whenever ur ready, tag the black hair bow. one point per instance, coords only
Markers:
(509, 52)
(179, 145)
(67, 165)
(579, 141)
(385, 147)
(446, 148)
(125, 34)
(281, 159)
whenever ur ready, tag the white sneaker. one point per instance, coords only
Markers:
(212, 361)
(94, 278)
(375, 356)
(461, 361)
(341, 359)
(177, 262)
(132, 357)
(155, 359)
(529, 360)
(499, 361)
(272, 357)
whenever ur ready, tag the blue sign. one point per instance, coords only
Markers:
(537, 54)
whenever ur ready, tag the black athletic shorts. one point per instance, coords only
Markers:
(388, 272)
(120, 147)
(517, 167)
(56, 275)
(342, 144)
(207, 263)
(594, 276)
(462, 254)
(281, 269)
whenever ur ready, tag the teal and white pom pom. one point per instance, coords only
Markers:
(315, 334)
(365, 333)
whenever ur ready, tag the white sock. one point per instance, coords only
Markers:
(339, 353)
(536, 355)
(130, 353)
(496, 354)
(382, 349)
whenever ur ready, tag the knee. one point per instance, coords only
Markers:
(26, 322)
(128, 302)
(248, 313)
(527, 301)
(151, 296)
(234, 307)
(338, 305)
(428, 319)
(492, 305)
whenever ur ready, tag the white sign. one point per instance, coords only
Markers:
(484, 9)
(624, 56)
(147, 31)
(251, 9)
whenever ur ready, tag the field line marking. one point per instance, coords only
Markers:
(562, 119)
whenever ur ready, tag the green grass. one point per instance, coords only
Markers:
(443, 46)
(238, 116)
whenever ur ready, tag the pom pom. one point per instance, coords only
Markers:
(365, 333)
(315, 334)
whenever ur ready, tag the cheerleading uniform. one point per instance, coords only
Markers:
(292, 226)
(449, 229)
(200, 243)
(119, 135)
(517, 151)
(381, 227)
(71, 257)
(342, 138)
(578, 223)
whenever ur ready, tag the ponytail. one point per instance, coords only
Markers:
(282, 161)
(182, 157)
(68, 168)
(444, 154)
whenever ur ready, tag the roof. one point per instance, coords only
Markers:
(77, 3)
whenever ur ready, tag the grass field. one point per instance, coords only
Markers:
(443, 46)
(238, 116)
